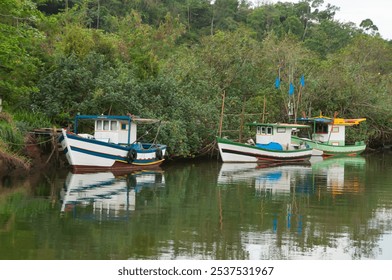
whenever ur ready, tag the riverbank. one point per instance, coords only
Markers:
(35, 154)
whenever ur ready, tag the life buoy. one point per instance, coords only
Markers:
(132, 155)
(158, 153)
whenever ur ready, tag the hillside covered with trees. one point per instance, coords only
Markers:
(175, 60)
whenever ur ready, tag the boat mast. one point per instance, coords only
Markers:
(222, 113)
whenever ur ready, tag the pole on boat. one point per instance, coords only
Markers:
(222, 111)
(262, 119)
(242, 119)
(333, 121)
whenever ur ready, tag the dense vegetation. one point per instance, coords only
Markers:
(176, 59)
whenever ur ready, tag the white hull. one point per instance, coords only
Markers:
(236, 152)
(94, 154)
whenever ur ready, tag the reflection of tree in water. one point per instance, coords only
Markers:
(310, 217)
(193, 217)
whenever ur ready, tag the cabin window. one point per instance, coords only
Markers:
(281, 130)
(123, 126)
(321, 128)
(262, 129)
(99, 125)
(335, 129)
(269, 130)
(113, 125)
(105, 125)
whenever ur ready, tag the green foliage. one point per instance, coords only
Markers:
(12, 142)
(26, 121)
(11, 139)
(328, 37)
(357, 82)
(18, 39)
(176, 59)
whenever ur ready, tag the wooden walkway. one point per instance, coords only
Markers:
(46, 131)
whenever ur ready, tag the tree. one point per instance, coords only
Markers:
(328, 37)
(18, 40)
(356, 82)
(368, 26)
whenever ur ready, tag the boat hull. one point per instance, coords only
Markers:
(85, 155)
(231, 151)
(332, 150)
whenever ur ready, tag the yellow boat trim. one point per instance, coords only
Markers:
(348, 122)
(341, 121)
(151, 163)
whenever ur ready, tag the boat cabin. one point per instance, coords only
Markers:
(331, 131)
(113, 129)
(328, 133)
(275, 136)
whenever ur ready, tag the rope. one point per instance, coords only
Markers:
(26, 144)
(146, 133)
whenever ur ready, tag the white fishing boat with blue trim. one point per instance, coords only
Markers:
(272, 144)
(113, 145)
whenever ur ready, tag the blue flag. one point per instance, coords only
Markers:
(302, 81)
(291, 89)
(277, 83)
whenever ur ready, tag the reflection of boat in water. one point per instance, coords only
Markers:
(340, 172)
(276, 178)
(301, 178)
(109, 196)
(342, 161)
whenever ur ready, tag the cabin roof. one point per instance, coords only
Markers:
(316, 119)
(335, 121)
(348, 122)
(287, 125)
(116, 117)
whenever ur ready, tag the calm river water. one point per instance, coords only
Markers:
(335, 209)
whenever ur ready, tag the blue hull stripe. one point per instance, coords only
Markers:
(97, 154)
(111, 145)
(70, 136)
(121, 149)
(61, 138)
(113, 157)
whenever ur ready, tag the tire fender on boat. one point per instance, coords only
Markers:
(158, 153)
(132, 155)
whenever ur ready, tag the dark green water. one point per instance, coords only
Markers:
(332, 209)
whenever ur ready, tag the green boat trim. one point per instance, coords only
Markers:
(226, 141)
(333, 150)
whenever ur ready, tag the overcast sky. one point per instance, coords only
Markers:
(379, 11)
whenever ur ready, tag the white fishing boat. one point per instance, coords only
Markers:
(328, 137)
(112, 146)
(273, 144)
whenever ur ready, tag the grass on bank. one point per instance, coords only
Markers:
(14, 136)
